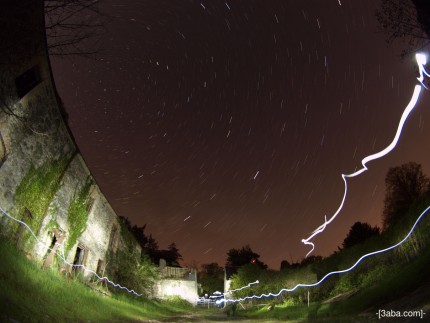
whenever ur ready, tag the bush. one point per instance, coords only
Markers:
(136, 273)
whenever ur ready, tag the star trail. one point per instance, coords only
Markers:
(225, 123)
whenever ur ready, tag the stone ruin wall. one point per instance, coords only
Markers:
(34, 136)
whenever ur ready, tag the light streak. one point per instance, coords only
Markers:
(236, 290)
(61, 256)
(421, 61)
(284, 290)
(241, 288)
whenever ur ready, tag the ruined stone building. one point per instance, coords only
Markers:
(181, 282)
(44, 180)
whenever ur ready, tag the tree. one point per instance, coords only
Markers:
(136, 272)
(173, 255)
(285, 265)
(310, 260)
(243, 256)
(73, 27)
(211, 277)
(245, 275)
(358, 233)
(408, 20)
(403, 185)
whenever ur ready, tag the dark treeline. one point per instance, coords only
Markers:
(150, 246)
(407, 195)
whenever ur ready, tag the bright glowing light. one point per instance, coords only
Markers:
(284, 290)
(241, 288)
(65, 261)
(421, 61)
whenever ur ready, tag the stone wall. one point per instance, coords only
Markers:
(44, 181)
(185, 288)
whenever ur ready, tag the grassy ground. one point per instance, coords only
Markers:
(400, 291)
(29, 294)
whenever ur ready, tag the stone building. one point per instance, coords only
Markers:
(181, 282)
(44, 180)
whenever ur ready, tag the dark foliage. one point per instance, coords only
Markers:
(404, 185)
(305, 262)
(285, 265)
(407, 20)
(359, 233)
(211, 278)
(243, 256)
(150, 246)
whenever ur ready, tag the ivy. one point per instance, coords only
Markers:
(37, 189)
(78, 215)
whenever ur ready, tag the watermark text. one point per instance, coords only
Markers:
(399, 314)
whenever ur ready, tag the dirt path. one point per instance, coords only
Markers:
(201, 316)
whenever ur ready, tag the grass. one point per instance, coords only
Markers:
(29, 294)
(389, 288)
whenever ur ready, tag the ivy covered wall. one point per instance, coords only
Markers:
(44, 181)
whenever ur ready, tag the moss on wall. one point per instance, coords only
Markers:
(36, 191)
(78, 214)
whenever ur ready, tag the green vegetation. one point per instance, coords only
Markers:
(376, 281)
(78, 214)
(32, 295)
(211, 278)
(388, 286)
(36, 191)
(134, 270)
(129, 267)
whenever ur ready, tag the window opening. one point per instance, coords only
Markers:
(27, 81)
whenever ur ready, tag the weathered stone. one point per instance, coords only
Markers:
(33, 134)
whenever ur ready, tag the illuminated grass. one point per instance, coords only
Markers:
(390, 286)
(29, 294)
(375, 282)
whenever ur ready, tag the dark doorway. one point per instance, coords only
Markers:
(80, 259)
(57, 239)
(78, 256)
(54, 240)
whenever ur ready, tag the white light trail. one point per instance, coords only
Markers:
(421, 61)
(131, 291)
(284, 290)
(243, 287)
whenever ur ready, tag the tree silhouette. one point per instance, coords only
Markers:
(358, 233)
(211, 277)
(407, 20)
(285, 265)
(243, 256)
(73, 27)
(403, 185)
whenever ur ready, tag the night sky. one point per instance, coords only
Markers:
(220, 124)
